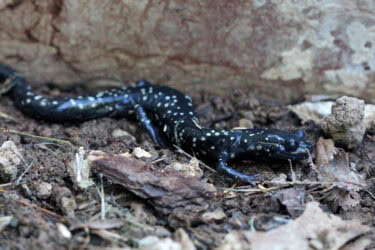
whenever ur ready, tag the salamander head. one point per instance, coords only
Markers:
(280, 144)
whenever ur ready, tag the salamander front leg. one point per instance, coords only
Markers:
(222, 167)
(146, 122)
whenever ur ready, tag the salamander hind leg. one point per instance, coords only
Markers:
(222, 167)
(153, 131)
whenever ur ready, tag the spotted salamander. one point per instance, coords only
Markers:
(168, 116)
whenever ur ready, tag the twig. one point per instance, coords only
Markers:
(5, 184)
(8, 117)
(43, 210)
(371, 194)
(37, 137)
(252, 190)
(102, 198)
(188, 155)
(159, 160)
(291, 170)
(27, 169)
(303, 183)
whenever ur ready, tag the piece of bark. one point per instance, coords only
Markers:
(280, 49)
(166, 190)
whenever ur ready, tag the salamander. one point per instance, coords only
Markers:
(169, 117)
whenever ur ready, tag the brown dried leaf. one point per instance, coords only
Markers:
(333, 166)
(293, 199)
(314, 229)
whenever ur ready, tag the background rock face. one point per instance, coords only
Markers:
(281, 49)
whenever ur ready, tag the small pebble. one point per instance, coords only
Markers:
(139, 153)
(65, 201)
(120, 133)
(10, 158)
(44, 190)
(245, 123)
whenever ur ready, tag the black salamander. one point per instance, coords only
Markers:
(168, 116)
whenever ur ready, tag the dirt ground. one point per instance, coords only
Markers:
(48, 210)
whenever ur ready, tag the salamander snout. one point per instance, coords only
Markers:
(286, 145)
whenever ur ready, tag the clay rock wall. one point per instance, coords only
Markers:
(281, 49)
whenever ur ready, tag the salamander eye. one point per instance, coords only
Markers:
(291, 145)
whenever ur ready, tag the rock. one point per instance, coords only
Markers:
(119, 133)
(345, 124)
(65, 201)
(10, 158)
(318, 46)
(190, 169)
(44, 190)
(245, 123)
(139, 153)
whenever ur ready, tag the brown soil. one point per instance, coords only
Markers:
(35, 220)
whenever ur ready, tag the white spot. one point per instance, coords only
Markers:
(194, 139)
(169, 111)
(91, 98)
(167, 98)
(28, 100)
(194, 145)
(232, 138)
(144, 98)
(126, 95)
(159, 104)
(181, 113)
(37, 97)
(217, 133)
(165, 128)
(203, 139)
(166, 105)
(232, 155)
(174, 96)
(245, 140)
(191, 105)
(191, 113)
(212, 147)
(80, 106)
(73, 102)
(54, 102)
(208, 134)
